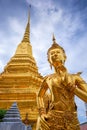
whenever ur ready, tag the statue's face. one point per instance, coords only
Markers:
(56, 57)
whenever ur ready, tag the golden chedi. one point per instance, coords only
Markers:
(20, 80)
(63, 86)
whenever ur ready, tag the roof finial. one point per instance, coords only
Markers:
(29, 13)
(26, 37)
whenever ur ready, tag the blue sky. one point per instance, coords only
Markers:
(67, 19)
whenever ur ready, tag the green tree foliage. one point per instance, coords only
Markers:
(2, 113)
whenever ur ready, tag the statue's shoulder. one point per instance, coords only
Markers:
(77, 75)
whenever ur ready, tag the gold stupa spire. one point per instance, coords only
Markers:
(26, 37)
(25, 47)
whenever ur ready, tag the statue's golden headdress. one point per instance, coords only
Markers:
(55, 46)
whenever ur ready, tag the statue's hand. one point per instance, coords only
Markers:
(44, 116)
(44, 123)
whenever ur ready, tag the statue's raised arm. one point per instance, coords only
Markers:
(62, 113)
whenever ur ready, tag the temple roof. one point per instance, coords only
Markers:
(12, 115)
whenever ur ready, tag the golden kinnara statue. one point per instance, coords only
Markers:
(63, 86)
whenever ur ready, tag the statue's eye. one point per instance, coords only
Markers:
(52, 53)
(57, 52)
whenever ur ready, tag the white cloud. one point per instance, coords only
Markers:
(41, 4)
(1, 66)
(81, 110)
(15, 25)
(77, 54)
(9, 41)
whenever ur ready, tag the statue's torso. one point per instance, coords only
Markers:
(62, 98)
(62, 113)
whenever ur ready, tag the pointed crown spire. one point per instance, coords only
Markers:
(54, 39)
(26, 37)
